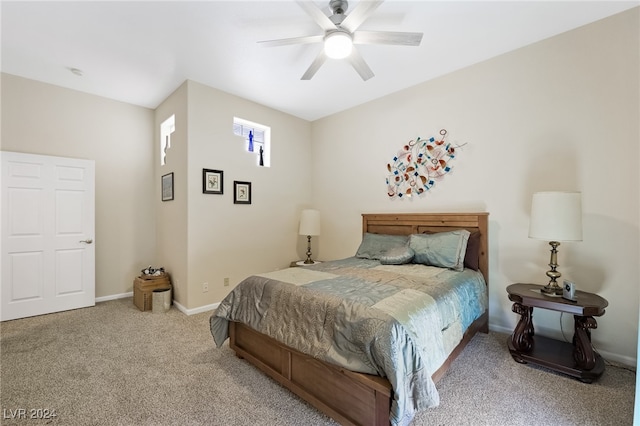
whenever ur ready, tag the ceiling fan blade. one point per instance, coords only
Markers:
(293, 40)
(387, 37)
(359, 14)
(316, 13)
(315, 66)
(357, 61)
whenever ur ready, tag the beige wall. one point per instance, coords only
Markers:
(208, 238)
(561, 114)
(172, 216)
(39, 118)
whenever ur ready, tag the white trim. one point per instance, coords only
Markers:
(500, 329)
(181, 308)
(114, 297)
(618, 359)
(201, 309)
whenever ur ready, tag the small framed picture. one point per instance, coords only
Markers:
(241, 192)
(212, 181)
(167, 187)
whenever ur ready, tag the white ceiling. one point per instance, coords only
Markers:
(140, 52)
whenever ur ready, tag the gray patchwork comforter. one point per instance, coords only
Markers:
(396, 321)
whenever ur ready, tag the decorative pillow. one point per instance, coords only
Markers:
(443, 249)
(397, 256)
(373, 246)
(473, 251)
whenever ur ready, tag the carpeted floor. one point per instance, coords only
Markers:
(114, 365)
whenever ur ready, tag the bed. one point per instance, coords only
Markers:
(357, 389)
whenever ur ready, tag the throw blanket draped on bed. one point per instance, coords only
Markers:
(396, 321)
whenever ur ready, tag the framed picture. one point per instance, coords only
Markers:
(167, 187)
(212, 181)
(241, 192)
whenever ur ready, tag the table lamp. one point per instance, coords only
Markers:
(309, 226)
(555, 217)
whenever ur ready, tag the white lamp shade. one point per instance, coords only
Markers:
(309, 222)
(556, 216)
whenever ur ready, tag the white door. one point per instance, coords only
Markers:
(48, 252)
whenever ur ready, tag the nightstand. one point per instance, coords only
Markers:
(577, 359)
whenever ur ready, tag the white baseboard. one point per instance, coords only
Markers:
(627, 361)
(608, 356)
(194, 311)
(114, 297)
(500, 329)
(181, 308)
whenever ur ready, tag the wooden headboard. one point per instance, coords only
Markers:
(417, 223)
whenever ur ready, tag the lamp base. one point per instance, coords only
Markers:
(309, 261)
(551, 289)
(304, 263)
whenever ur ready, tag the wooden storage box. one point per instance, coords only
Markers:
(143, 287)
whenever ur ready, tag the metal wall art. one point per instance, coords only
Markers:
(418, 165)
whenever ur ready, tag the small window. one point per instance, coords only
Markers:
(166, 128)
(257, 138)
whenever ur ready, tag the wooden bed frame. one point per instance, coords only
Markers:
(348, 397)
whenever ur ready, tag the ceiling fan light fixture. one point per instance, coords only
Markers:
(338, 44)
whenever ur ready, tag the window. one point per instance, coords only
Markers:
(257, 137)
(166, 128)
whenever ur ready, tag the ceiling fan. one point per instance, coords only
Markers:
(341, 33)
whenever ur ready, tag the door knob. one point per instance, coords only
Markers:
(87, 241)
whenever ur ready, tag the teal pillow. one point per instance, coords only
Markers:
(443, 249)
(373, 246)
(397, 256)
